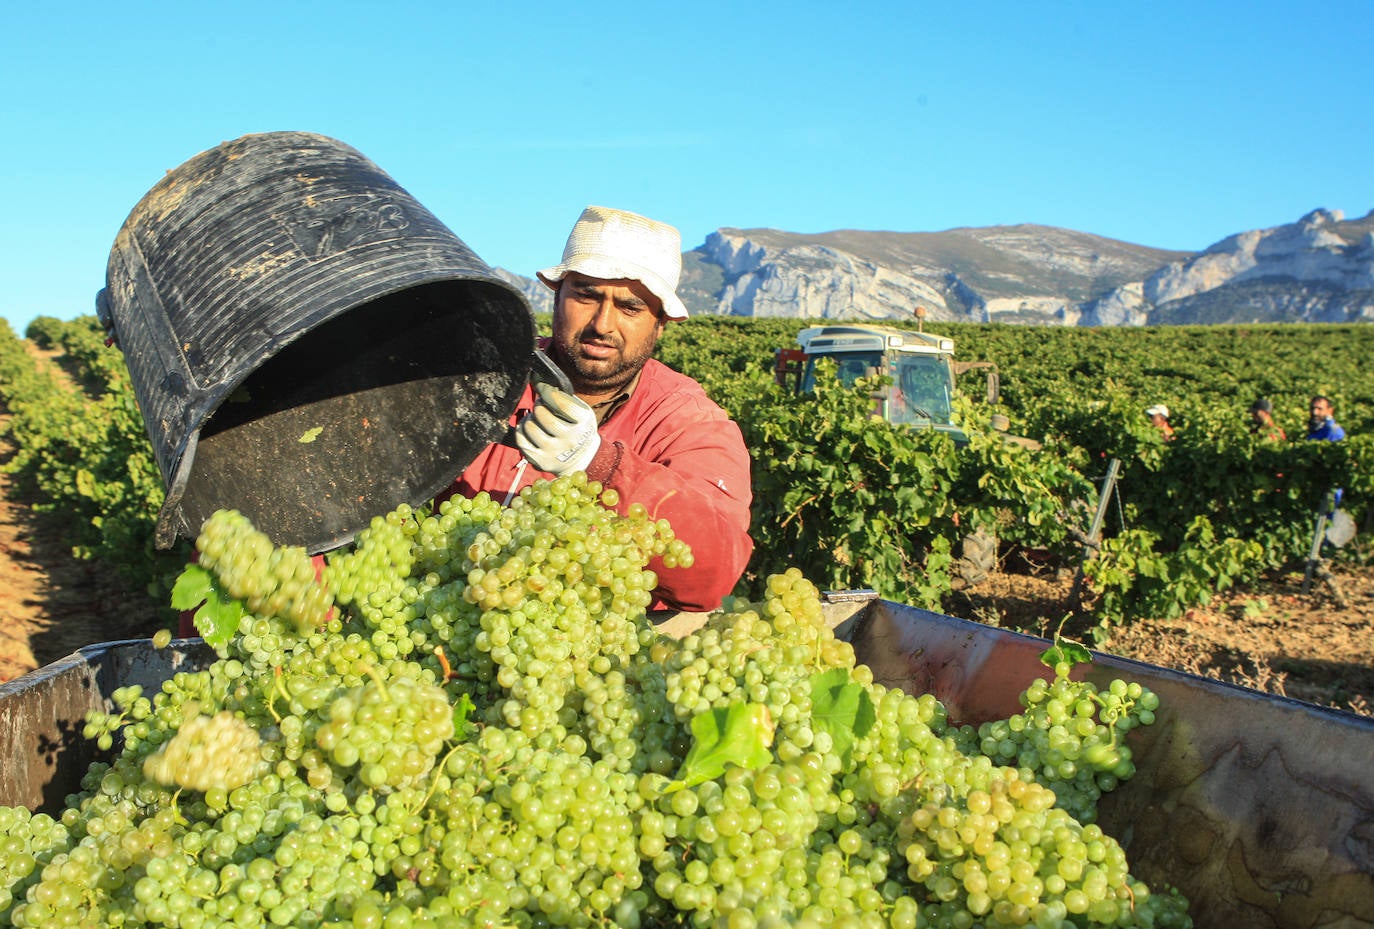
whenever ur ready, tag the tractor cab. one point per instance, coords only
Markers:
(920, 365)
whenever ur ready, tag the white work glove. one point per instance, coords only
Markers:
(559, 435)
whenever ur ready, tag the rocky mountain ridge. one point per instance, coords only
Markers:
(1318, 269)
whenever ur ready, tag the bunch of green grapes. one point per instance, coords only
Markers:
(271, 580)
(146, 725)
(130, 704)
(810, 835)
(391, 731)
(1003, 851)
(207, 752)
(534, 830)
(375, 568)
(30, 840)
(1071, 737)
(545, 596)
(93, 881)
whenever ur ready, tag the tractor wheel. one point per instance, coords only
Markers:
(977, 558)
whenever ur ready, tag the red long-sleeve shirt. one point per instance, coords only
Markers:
(671, 448)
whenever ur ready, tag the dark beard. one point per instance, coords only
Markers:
(590, 376)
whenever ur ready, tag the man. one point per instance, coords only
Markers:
(1262, 420)
(1321, 425)
(634, 424)
(1159, 416)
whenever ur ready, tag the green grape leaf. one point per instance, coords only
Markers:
(85, 482)
(462, 708)
(310, 435)
(217, 614)
(1065, 652)
(841, 708)
(192, 587)
(739, 734)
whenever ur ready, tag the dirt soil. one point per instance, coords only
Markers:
(51, 603)
(1272, 638)
(1317, 647)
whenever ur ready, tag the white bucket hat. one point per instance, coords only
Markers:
(1158, 409)
(614, 245)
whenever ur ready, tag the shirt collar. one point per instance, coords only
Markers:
(605, 408)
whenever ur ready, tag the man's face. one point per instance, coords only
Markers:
(1321, 409)
(605, 330)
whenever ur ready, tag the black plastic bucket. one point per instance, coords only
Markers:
(307, 343)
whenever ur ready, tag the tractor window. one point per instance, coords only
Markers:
(920, 390)
(854, 367)
(851, 366)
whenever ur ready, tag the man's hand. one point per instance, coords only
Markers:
(559, 435)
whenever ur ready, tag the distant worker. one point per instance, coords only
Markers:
(1159, 415)
(1321, 424)
(1262, 421)
(1322, 427)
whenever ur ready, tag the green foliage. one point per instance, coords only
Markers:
(825, 470)
(217, 615)
(851, 500)
(1135, 578)
(1064, 653)
(855, 501)
(841, 709)
(463, 725)
(80, 449)
(1030, 497)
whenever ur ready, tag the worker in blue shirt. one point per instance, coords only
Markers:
(1321, 425)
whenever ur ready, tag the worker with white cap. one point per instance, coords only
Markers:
(631, 423)
(1159, 415)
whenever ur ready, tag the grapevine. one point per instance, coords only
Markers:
(485, 729)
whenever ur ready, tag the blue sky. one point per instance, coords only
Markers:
(1168, 124)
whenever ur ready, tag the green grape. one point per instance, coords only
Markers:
(271, 581)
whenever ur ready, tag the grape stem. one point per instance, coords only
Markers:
(434, 782)
(277, 688)
(377, 679)
(798, 509)
(443, 663)
(661, 500)
(1112, 714)
(176, 810)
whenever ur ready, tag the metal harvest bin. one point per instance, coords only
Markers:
(1260, 809)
